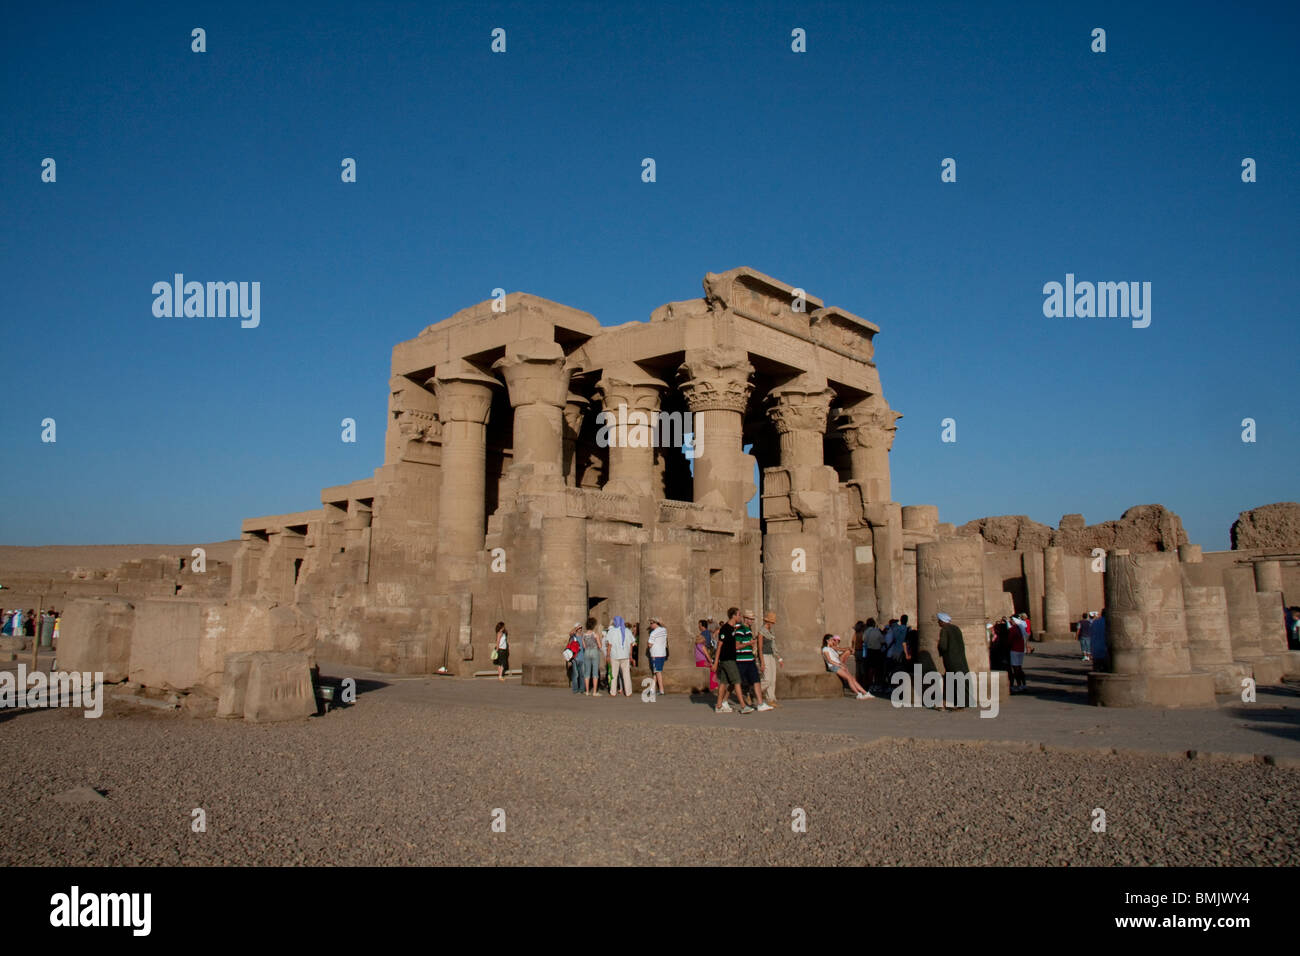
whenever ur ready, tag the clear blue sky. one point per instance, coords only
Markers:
(522, 170)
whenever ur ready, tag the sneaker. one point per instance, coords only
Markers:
(724, 709)
(862, 696)
(764, 706)
(747, 709)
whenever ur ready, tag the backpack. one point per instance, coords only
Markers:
(573, 649)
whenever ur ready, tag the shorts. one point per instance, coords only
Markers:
(657, 663)
(749, 672)
(1017, 658)
(728, 672)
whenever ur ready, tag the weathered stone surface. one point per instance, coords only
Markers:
(95, 635)
(1009, 532)
(1147, 632)
(1268, 526)
(279, 687)
(1140, 529)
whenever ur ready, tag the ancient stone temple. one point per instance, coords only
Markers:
(541, 468)
(502, 498)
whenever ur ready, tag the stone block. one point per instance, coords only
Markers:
(96, 635)
(279, 687)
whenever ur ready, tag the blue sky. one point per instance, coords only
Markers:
(522, 170)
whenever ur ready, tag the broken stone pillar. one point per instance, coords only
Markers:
(464, 403)
(950, 578)
(1243, 620)
(629, 397)
(538, 386)
(1056, 604)
(1268, 576)
(921, 519)
(1147, 631)
(716, 389)
(561, 598)
(1272, 632)
(575, 413)
(1209, 646)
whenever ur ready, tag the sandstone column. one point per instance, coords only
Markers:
(1147, 631)
(1243, 620)
(868, 428)
(1268, 575)
(665, 593)
(809, 582)
(538, 385)
(950, 578)
(561, 597)
(716, 389)
(464, 401)
(1209, 646)
(629, 397)
(1056, 604)
(575, 413)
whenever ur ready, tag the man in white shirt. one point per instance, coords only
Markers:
(618, 648)
(658, 652)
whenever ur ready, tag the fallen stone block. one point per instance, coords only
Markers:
(266, 686)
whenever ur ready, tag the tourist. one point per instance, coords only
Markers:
(859, 648)
(590, 658)
(952, 651)
(1100, 648)
(658, 651)
(577, 660)
(501, 654)
(1084, 629)
(770, 660)
(896, 645)
(618, 648)
(636, 644)
(874, 641)
(1293, 628)
(831, 653)
(1017, 646)
(724, 665)
(749, 659)
(704, 653)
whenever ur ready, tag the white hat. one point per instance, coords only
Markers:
(945, 618)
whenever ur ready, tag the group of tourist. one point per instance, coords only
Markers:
(742, 663)
(598, 660)
(20, 623)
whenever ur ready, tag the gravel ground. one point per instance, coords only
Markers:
(412, 780)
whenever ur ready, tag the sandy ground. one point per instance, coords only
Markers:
(418, 770)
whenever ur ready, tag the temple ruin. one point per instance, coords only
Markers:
(504, 496)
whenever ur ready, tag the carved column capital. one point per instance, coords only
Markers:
(535, 373)
(870, 424)
(796, 408)
(716, 378)
(464, 393)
